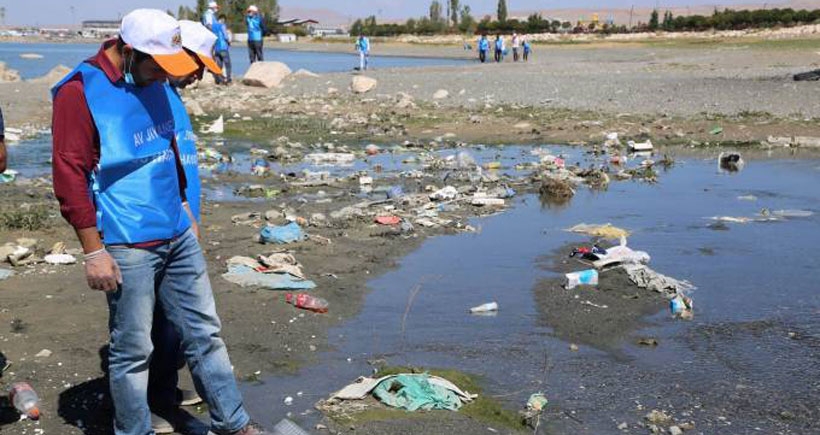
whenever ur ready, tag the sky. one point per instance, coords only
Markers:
(55, 12)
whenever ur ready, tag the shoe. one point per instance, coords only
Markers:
(161, 425)
(188, 397)
(284, 427)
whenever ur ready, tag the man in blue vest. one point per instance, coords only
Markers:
(256, 32)
(2, 144)
(483, 48)
(222, 50)
(115, 111)
(363, 47)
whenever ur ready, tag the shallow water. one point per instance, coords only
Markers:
(735, 360)
(72, 54)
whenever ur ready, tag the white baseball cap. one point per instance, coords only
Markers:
(157, 34)
(200, 40)
(213, 5)
(253, 8)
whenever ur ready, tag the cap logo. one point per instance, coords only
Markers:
(176, 40)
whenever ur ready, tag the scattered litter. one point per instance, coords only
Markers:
(730, 162)
(646, 278)
(485, 308)
(307, 302)
(788, 213)
(250, 218)
(330, 158)
(747, 198)
(408, 391)
(45, 353)
(282, 235)
(607, 231)
(8, 176)
(217, 127)
(682, 306)
(484, 201)
(5, 274)
(60, 259)
(556, 190)
(640, 146)
(365, 181)
(535, 406)
(584, 277)
(260, 167)
(288, 401)
(246, 276)
(648, 342)
(716, 131)
(620, 255)
(593, 304)
(372, 150)
(445, 194)
(388, 220)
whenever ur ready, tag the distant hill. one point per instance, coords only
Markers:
(325, 17)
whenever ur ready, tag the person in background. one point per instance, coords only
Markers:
(363, 47)
(3, 157)
(256, 32)
(121, 184)
(499, 48)
(209, 17)
(516, 44)
(222, 50)
(525, 43)
(483, 48)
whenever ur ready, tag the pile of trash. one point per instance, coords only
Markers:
(276, 271)
(408, 391)
(634, 263)
(25, 251)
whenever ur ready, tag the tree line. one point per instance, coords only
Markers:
(454, 17)
(234, 11)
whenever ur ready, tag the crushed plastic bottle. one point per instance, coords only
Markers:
(584, 277)
(25, 400)
(307, 302)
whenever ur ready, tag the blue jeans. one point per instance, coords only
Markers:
(171, 276)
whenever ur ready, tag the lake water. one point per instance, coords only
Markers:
(749, 355)
(72, 54)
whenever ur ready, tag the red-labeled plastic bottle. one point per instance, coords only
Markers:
(25, 400)
(307, 302)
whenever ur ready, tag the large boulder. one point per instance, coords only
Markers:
(7, 74)
(362, 84)
(52, 77)
(266, 74)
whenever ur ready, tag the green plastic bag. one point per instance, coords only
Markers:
(414, 392)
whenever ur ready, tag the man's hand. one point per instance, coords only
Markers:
(101, 271)
(194, 225)
(195, 229)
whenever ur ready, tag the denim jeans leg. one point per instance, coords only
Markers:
(186, 297)
(131, 310)
(163, 374)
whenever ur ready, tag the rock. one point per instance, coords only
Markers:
(332, 91)
(305, 73)
(623, 426)
(674, 430)
(266, 74)
(7, 74)
(475, 119)
(45, 353)
(363, 84)
(807, 141)
(441, 94)
(194, 108)
(522, 125)
(658, 417)
(31, 56)
(52, 77)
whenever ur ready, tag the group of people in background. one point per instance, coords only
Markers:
(217, 23)
(521, 48)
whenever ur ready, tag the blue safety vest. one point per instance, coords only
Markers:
(484, 44)
(254, 24)
(364, 45)
(186, 144)
(135, 185)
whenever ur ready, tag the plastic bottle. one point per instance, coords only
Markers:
(586, 277)
(485, 308)
(307, 302)
(25, 400)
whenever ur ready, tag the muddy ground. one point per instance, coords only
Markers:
(674, 95)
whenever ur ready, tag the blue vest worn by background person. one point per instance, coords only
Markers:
(254, 23)
(364, 45)
(222, 43)
(186, 144)
(484, 44)
(135, 185)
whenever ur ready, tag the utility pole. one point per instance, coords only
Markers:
(631, 13)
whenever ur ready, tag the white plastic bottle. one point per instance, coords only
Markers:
(584, 277)
(25, 400)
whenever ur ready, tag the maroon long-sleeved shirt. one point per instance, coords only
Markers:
(76, 145)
